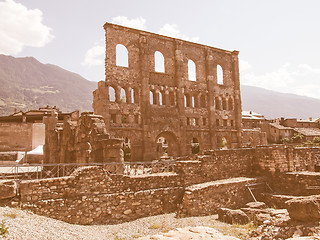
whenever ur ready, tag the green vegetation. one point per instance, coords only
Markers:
(3, 229)
(298, 139)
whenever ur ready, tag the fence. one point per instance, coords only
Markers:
(41, 171)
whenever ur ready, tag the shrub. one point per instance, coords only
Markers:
(3, 229)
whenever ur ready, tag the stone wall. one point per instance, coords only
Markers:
(207, 198)
(15, 137)
(80, 140)
(198, 186)
(143, 104)
(91, 196)
(297, 183)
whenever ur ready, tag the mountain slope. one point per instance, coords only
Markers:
(274, 104)
(28, 84)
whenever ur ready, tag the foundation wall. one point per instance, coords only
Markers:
(91, 196)
(207, 198)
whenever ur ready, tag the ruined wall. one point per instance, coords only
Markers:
(92, 196)
(80, 140)
(207, 198)
(16, 136)
(220, 164)
(141, 103)
(253, 137)
(297, 183)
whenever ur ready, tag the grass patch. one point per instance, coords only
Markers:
(3, 229)
(236, 230)
(10, 215)
(136, 235)
(155, 226)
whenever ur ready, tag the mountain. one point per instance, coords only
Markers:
(28, 84)
(274, 104)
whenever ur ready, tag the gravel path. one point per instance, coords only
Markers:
(26, 225)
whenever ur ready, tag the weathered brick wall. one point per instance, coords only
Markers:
(90, 196)
(207, 198)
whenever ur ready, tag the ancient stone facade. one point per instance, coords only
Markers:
(169, 95)
(80, 140)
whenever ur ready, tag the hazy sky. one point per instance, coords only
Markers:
(278, 40)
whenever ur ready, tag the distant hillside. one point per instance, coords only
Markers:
(28, 84)
(274, 104)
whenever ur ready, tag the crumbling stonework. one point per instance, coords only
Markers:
(143, 104)
(218, 179)
(80, 140)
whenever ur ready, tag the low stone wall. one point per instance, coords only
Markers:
(91, 196)
(297, 183)
(207, 198)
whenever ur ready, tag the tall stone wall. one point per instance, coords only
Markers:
(142, 103)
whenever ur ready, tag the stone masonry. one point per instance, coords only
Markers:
(141, 103)
(91, 195)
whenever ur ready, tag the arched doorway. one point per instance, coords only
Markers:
(195, 146)
(127, 149)
(224, 143)
(167, 145)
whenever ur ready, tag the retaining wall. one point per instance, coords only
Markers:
(91, 195)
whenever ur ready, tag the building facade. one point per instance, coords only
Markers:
(166, 96)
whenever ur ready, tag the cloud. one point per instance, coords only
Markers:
(301, 79)
(244, 65)
(172, 30)
(138, 23)
(94, 56)
(21, 27)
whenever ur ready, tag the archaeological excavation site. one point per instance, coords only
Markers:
(166, 136)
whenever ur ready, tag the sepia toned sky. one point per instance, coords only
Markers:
(278, 40)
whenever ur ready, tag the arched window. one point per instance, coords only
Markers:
(187, 102)
(230, 104)
(192, 102)
(121, 56)
(112, 94)
(164, 98)
(192, 76)
(132, 96)
(151, 97)
(217, 103)
(195, 147)
(159, 62)
(203, 101)
(171, 98)
(219, 75)
(224, 104)
(160, 99)
(123, 96)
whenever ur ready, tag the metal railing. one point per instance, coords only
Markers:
(41, 171)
